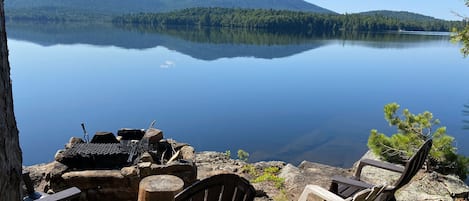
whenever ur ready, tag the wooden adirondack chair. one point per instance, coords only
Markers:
(223, 187)
(346, 187)
(368, 194)
(67, 194)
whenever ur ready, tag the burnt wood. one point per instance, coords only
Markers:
(130, 134)
(223, 187)
(345, 187)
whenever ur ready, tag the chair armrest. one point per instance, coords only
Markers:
(319, 192)
(379, 164)
(350, 182)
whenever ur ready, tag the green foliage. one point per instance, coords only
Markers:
(243, 155)
(462, 35)
(228, 154)
(250, 169)
(270, 174)
(282, 21)
(401, 15)
(412, 131)
(272, 170)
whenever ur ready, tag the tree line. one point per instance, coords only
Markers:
(283, 20)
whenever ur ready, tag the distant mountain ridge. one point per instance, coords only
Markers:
(400, 15)
(133, 6)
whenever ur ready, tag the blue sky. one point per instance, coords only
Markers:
(437, 8)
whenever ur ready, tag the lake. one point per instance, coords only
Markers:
(278, 96)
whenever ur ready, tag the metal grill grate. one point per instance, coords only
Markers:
(90, 149)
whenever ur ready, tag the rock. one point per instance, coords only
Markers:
(266, 164)
(56, 170)
(38, 175)
(431, 186)
(72, 141)
(455, 186)
(153, 135)
(88, 179)
(188, 153)
(146, 157)
(291, 174)
(130, 134)
(423, 186)
(376, 175)
(104, 137)
(175, 144)
(321, 174)
(211, 163)
(129, 171)
(296, 178)
(144, 169)
(59, 155)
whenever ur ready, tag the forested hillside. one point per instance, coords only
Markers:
(289, 21)
(401, 15)
(131, 6)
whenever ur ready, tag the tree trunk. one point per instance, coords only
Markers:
(10, 152)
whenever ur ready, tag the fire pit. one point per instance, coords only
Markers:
(110, 168)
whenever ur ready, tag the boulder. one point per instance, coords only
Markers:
(429, 186)
(146, 157)
(104, 137)
(130, 134)
(153, 135)
(188, 153)
(72, 141)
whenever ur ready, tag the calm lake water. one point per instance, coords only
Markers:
(279, 97)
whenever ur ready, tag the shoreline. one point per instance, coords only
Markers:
(295, 178)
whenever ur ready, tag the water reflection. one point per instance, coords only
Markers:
(215, 43)
(314, 105)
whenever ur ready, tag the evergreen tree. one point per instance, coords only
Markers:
(285, 21)
(412, 131)
(463, 35)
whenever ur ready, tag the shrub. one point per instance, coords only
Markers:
(228, 154)
(412, 131)
(270, 174)
(243, 155)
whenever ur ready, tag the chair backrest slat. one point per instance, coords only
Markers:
(214, 193)
(414, 164)
(228, 191)
(223, 187)
(199, 196)
(239, 195)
